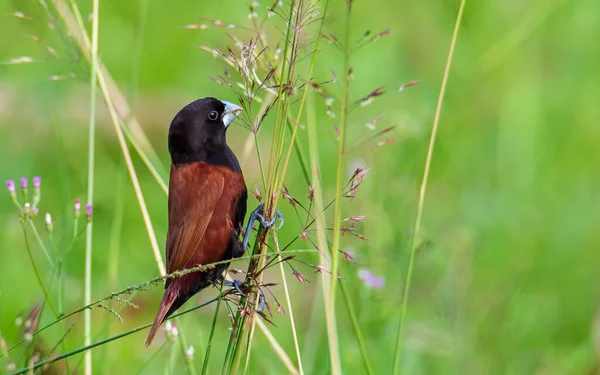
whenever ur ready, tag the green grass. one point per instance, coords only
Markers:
(504, 271)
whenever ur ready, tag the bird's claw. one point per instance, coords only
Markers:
(237, 284)
(256, 215)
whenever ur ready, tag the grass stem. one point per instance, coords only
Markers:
(423, 189)
(90, 192)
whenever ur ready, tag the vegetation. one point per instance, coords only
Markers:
(435, 164)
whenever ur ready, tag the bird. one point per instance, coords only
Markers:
(207, 201)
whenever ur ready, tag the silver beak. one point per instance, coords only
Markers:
(231, 112)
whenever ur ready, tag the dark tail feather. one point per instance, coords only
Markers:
(164, 310)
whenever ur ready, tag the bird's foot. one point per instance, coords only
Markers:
(237, 285)
(257, 215)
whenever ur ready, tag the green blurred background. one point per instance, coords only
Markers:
(505, 280)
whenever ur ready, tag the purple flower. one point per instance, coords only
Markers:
(37, 180)
(77, 207)
(370, 280)
(24, 183)
(10, 185)
(88, 211)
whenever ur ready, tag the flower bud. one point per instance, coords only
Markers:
(10, 185)
(49, 225)
(190, 353)
(88, 212)
(77, 208)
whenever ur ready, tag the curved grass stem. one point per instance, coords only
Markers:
(423, 189)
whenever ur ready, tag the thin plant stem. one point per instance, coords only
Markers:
(36, 271)
(293, 141)
(337, 210)
(423, 189)
(39, 239)
(289, 305)
(90, 192)
(359, 337)
(334, 355)
(212, 332)
(75, 24)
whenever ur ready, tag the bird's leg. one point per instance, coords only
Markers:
(257, 215)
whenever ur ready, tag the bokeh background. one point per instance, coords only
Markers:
(505, 280)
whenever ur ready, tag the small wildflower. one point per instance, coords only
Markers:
(35, 211)
(172, 331)
(252, 15)
(24, 183)
(10, 185)
(411, 83)
(369, 98)
(49, 225)
(299, 276)
(371, 125)
(257, 194)
(255, 4)
(370, 280)
(286, 195)
(355, 218)
(190, 353)
(320, 269)
(386, 142)
(28, 337)
(19, 321)
(303, 235)
(347, 256)
(77, 208)
(280, 309)
(311, 192)
(27, 208)
(381, 34)
(88, 212)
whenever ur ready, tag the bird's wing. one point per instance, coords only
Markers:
(194, 194)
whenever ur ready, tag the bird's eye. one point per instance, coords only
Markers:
(213, 115)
